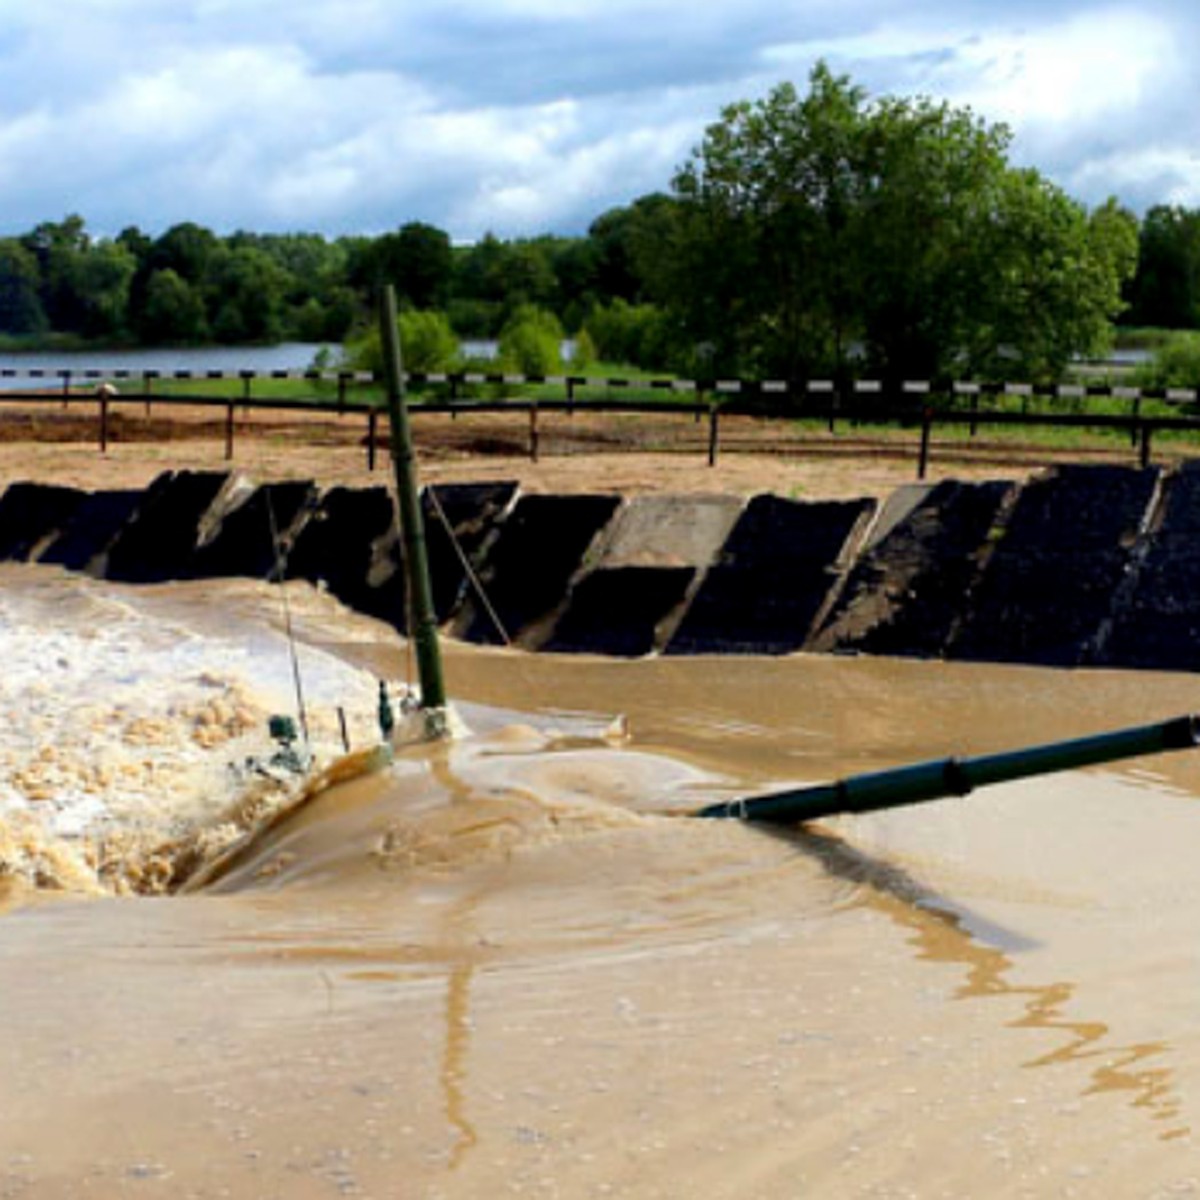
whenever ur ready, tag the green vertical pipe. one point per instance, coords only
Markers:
(958, 776)
(412, 527)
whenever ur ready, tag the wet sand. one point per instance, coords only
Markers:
(514, 966)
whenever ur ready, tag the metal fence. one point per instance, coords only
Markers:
(921, 406)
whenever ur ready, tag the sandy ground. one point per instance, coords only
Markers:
(621, 453)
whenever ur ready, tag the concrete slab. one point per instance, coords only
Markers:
(906, 592)
(91, 530)
(32, 515)
(671, 531)
(526, 571)
(1080, 507)
(159, 543)
(472, 511)
(338, 547)
(773, 578)
(895, 510)
(618, 610)
(252, 539)
(1047, 590)
(1181, 502)
(1159, 627)
(1158, 624)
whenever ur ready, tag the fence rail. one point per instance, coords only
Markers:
(922, 404)
(66, 377)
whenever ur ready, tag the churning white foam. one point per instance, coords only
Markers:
(117, 711)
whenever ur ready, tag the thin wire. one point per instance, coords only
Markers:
(281, 572)
(431, 492)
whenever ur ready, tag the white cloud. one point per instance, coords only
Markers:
(1168, 175)
(526, 115)
(1067, 72)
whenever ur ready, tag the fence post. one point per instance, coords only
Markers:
(103, 423)
(1144, 456)
(229, 432)
(533, 432)
(926, 428)
(372, 416)
(1136, 411)
(341, 392)
(146, 391)
(66, 380)
(246, 392)
(713, 434)
(974, 413)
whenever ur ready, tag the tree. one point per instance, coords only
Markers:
(98, 282)
(417, 260)
(172, 311)
(187, 249)
(626, 245)
(21, 310)
(638, 334)
(245, 296)
(427, 344)
(819, 229)
(1062, 286)
(492, 279)
(573, 261)
(1165, 291)
(531, 342)
(56, 247)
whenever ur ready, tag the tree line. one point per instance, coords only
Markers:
(807, 234)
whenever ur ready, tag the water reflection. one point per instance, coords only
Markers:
(944, 936)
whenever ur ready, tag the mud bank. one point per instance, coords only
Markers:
(1082, 565)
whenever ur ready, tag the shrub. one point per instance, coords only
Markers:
(1175, 364)
(630, 333)
(583, 352)
(427, 344)
(531, 342)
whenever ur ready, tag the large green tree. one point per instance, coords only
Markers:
(417, 260)
(245, 296)
(21, 310)
(172, 311)
(823, 232)
(1166, 289)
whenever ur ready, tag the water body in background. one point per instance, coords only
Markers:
(488, 349)
(290, 356)
(509, 965)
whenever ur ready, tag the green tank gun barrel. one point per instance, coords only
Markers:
(957, 776)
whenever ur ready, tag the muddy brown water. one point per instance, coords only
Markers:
(513, 966)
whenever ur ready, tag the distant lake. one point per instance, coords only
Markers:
(489, 348)
(290, 356)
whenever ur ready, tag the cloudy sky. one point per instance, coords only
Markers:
(532, 116)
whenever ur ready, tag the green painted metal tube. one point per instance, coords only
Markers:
(957, 776)
(412, 527)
